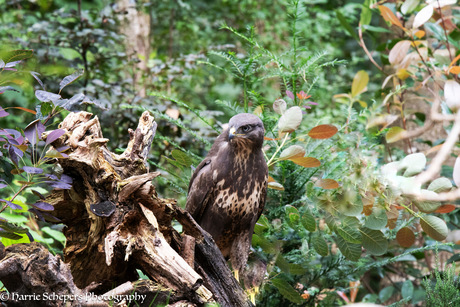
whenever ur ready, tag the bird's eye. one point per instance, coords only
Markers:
(246, 128)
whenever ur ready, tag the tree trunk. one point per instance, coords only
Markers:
(116, 225)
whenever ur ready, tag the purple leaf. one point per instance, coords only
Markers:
(7, 88)
(40, 205)
(313, 103)
(11, 205)
(33, 131)
(13, 132)
(62, 148)
(3, 113)
(290, 94)
(32, 170)
(49, 218)
(51, 176)
(2, 185)
(12, 64)
(36, 193)
(35, 75)
(45, 96)
(54, 135)
(37, 213)
(13, 156)
(64, 155)
(59, 185)
(66, 179)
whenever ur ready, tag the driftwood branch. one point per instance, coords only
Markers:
(116, 225)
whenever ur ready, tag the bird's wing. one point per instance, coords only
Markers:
(200, 189)
(202, 184)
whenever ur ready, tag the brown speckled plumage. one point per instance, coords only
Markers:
(228, 188)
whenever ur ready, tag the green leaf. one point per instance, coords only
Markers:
(360, 82)
(282, 263)
(374, 241)
(407, 289)
(386, 293)
(320, 245)
(427, 206)
(414, 163)
(57, 235)
(434, 227)
(440, 185)
(408, 6)
(350, 234)
(297, 269)
(366, 14)
(70, 78)
(394, 134)
(181, 157)
(12, 228)
(23, 238)
(16, 55)
(346, 25)
(349, 204)
(377, 220)
(287, 290)
(351, 251)
(308, 221)
(10, 235)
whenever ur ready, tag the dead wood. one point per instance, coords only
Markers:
(116, 224)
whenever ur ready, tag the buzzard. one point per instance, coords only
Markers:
(227, 191)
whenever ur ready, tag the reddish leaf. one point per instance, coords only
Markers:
(388, 15)
(306, 161)
(405, 237)
(266, 138)
(323, 132)
(24, 109)
(328, 184)
(446, 209)
(270, 179)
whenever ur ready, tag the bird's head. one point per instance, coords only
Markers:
(246, 128)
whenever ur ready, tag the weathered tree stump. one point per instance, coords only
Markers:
(116, 224)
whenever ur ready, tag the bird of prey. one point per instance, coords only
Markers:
(227, 191)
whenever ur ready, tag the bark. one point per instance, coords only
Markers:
(115, 225)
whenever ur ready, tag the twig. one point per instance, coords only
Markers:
(442, 155)
(363, 45)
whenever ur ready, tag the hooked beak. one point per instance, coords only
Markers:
(231, 133)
